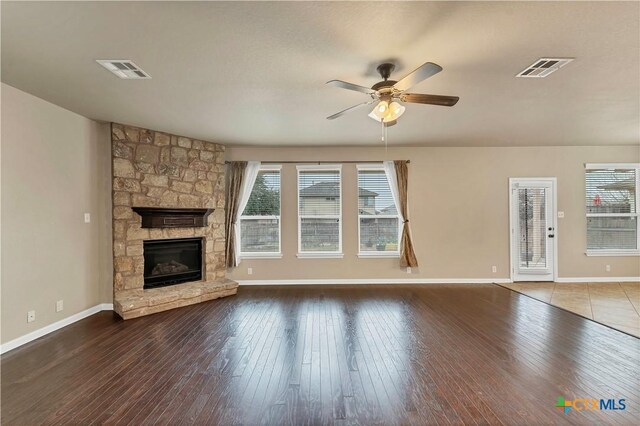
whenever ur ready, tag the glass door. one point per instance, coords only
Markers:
(532, 229)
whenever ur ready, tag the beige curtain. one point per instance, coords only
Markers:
(407, 255)
(235, 175)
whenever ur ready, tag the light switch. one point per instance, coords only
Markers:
(87, 217)
(560, 215)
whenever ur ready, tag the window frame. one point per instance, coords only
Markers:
(616, 252)
(374, 254)
(265, 255)
(319, 254)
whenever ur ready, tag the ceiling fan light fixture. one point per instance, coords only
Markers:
(387, 112)
(381, 110)
(395, 110)
(374, 116)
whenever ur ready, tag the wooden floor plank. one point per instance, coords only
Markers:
(383, 354)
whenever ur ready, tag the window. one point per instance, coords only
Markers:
(379, 224)
(612, 209)
(319, 211)
(260, 220)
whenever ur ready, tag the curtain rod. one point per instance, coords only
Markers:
(320, 162)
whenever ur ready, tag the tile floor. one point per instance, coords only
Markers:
(616, 305)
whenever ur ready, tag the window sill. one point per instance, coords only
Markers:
(261, 256)
(378, 255)
(320, 255)
(613, 253)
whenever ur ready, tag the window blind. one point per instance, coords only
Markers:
(260, 220)
(379, 228)
(611, 205)
(319, 211)
(533, 225)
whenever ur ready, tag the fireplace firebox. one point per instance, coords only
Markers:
(172, 261)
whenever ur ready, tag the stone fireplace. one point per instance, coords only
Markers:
(168, 221)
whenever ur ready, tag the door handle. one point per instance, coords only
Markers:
(551, 236)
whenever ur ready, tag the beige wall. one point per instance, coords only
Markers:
(55, 167)
(458, 209)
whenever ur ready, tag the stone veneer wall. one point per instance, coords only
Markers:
(154, 169)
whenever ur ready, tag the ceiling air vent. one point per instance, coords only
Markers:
(543, 67)
(123, 68)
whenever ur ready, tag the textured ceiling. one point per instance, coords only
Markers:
(254, 73)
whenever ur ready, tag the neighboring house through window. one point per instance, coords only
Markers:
(378, 222)
(319, 211)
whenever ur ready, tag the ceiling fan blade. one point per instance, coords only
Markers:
(423, 72)
(344, 111)
(418, 98)
(351, 86)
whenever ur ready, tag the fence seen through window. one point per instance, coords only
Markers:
(611, 205)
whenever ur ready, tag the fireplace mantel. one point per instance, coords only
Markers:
(156, 217)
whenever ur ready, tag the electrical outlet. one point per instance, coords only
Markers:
(607, 268)
(59, 305)
(250, 271)
(408, 269)
(494, 269)
(31, 316)
(87, 217)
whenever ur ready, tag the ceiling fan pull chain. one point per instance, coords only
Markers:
(386, 137)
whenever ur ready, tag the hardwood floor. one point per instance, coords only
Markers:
(431, 354)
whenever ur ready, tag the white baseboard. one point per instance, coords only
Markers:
(378, 281)
(598, 280)
(364, 281)
(22, 340)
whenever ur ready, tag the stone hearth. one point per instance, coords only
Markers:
(154, 169)
(134, 304)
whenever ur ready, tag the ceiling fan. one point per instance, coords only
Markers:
(389, 93)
